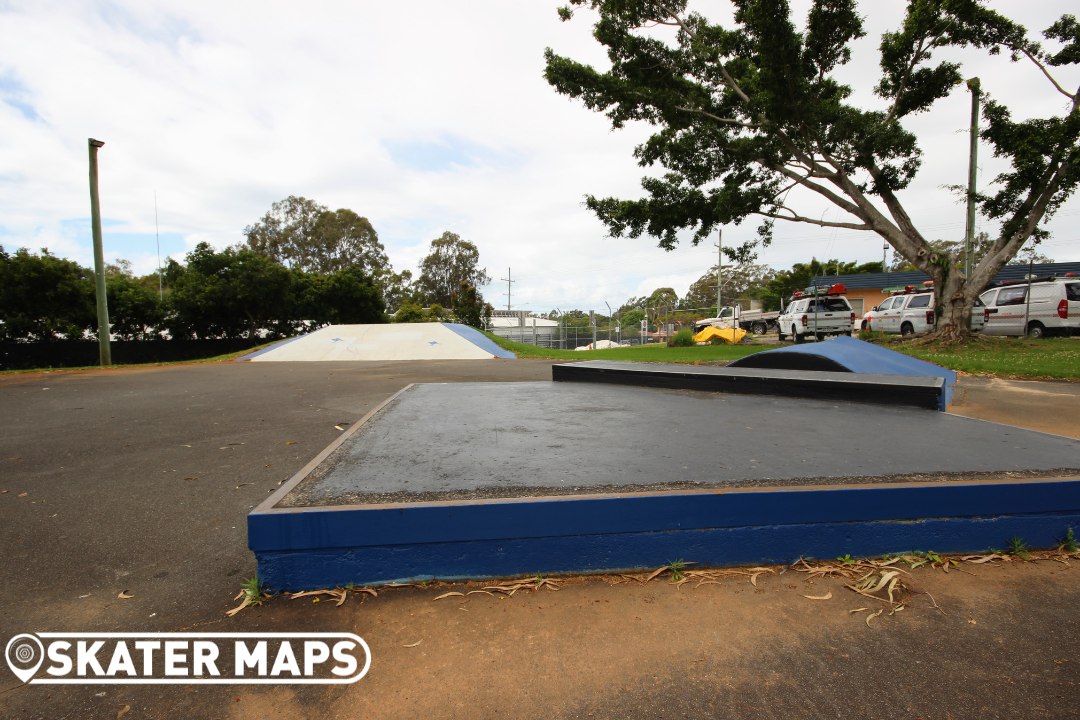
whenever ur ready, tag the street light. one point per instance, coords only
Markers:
(104, 352)
(608, 321)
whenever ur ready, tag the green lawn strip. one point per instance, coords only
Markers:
(1045, 359)
(1050, 358)
(658, 353)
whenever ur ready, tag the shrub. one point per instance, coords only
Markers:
(683, 338)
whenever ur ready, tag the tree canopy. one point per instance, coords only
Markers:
(745, 114)
(450, 262)
(304, 235)
(43, 297)
(738, 281)
(778, 289)
(238, 292)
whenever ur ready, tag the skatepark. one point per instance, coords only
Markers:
(147, 476)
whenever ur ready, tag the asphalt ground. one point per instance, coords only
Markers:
(139, 481)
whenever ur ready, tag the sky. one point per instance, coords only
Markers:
(423, 116)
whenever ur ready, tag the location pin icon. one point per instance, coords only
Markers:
(24, 655)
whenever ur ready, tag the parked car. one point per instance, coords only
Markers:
(911, 311)
(817, 311)
(1051, 308)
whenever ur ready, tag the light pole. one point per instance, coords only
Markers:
(104, 351)
(609, 318)
(719, 267)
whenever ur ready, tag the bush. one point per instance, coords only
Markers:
(683, 338)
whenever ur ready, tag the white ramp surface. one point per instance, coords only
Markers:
(405, 341)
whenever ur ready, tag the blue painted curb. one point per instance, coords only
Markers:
(316, 547)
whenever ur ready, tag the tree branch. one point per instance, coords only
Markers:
(915, 58)
(725, 75)
(1050, 77)
(1000, 253)
(899, 214)
(717, 118)
(793, 217)
(825, 192)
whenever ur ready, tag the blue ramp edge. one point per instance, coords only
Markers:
(846, 354)
(268, 348)
(480, 340)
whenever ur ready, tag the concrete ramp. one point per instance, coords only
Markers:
(400, 341)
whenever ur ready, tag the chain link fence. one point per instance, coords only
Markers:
(569, 338)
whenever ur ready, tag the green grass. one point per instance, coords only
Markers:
(1050, 358)
(704, 354)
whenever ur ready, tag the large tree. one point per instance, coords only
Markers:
(449, 262)
(737, 281)
(469, 306)
(744, 114)
(304, 235)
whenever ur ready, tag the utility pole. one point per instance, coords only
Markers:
(719, 265)
(104, 352)
(969, 233)
(508, 281)
(157, 237)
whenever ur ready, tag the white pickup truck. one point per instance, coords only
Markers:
(817, 311)
(911, 311)
(758, 322)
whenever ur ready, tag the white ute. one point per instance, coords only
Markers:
(758, 322)
(819, 312)
(911, 311)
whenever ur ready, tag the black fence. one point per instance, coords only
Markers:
(81, 353)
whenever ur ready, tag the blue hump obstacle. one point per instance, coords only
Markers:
(846, 354)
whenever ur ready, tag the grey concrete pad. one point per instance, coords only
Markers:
(481, 440)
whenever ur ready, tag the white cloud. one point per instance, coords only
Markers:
(223, 108)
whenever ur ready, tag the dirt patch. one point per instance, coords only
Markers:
(610, 647)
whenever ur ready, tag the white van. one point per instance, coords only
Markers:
(1053, 307)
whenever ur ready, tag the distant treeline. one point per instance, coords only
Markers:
(235, 293)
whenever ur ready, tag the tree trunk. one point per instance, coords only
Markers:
(954, 300)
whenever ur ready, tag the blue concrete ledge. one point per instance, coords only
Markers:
(300, 548)
(925, 392)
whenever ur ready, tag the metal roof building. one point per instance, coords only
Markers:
(877, 281)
